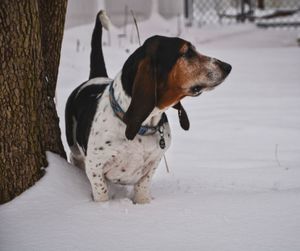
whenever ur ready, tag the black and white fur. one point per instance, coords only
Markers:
(97, 137)
(109, 149)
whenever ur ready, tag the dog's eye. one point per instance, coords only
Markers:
(196, 89)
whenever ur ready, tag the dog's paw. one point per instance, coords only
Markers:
(141, 199)
(100, 197)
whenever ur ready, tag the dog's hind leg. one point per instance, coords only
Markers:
(77, 160)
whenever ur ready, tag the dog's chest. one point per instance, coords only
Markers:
(132, 160)
(123, 161)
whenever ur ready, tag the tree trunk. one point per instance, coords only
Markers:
(52, 19)
(30, 41)
(261, 4)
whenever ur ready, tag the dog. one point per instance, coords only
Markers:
(117, 128)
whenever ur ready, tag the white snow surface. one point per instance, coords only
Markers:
(235, 176)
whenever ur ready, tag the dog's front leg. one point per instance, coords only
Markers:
(142, 194)
(94, 171)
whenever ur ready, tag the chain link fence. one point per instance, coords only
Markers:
(265, 13)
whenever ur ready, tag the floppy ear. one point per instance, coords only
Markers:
(143, 98)
(182, 115)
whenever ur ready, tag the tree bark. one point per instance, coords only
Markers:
(30, 41)
(52, 19)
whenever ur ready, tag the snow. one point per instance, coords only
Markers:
(234, 180)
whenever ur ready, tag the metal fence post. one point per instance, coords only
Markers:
(188, 12)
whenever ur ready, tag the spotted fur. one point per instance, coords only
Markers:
(154, 78)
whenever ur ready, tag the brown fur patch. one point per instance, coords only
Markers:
(185, 73)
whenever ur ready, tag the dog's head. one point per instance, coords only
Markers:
(163, 71)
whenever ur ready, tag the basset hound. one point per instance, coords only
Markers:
(117, 128)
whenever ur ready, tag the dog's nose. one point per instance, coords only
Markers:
(226, 68)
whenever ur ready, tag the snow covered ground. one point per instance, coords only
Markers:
(235, 176)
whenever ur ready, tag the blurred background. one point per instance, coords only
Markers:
(264, 13)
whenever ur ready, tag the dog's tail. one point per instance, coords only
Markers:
(97, 64)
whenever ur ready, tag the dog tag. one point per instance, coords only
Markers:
(162, 143)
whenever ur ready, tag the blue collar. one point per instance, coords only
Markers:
(144, 130)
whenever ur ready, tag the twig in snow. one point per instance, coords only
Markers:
(77, 45)
(166, 163)
(276, 155)
(136, 26)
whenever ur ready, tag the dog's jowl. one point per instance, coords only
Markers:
(117, 128)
